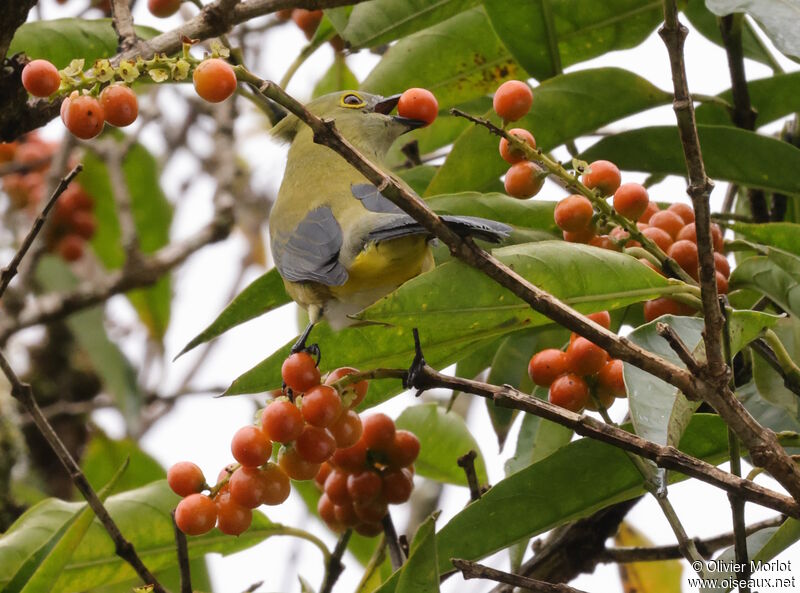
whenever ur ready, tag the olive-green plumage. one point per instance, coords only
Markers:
(337, 242)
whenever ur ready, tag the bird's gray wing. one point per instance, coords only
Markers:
(373, 200)
(311, 252)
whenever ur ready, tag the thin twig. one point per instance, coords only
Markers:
(11, 269)
(183, 557)
(473, 570)
(334, 566)
(467, 463)
(23, 393)
(676, 343)
(389, 532)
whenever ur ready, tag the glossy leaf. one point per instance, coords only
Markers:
(143, 516)
(575, 481)
(262, 295)
(535, 214)
(470, 61)
(584, 29)
(782, 235)
(660, 412)
(768, 415)
(776, 275)
(731, 154)
(382, 21)
(338, 78)
(152, 215)
(768, 381)
(777, 17)
(63, 40)
(103, 456)
(646, 577)
(420, 573)
(772, 98)
(564, 107)
(444, 437)
(418, 177)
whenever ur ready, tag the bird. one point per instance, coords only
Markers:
(338, 243)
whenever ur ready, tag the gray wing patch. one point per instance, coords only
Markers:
(312, 251)
(373, 200)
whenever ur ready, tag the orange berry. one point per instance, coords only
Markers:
(611, 378)
(82, 115)
(364, 486)
(585, 357)
(651, 265)
(405, 449)
(397, 486)
(512, 100)
(419, 104)
(353, 459)
(307, 20)
(185, 478)
(70, 247)
(584, 236)
(282, 421)
(353, 394)
(689, 232)
(601, 318)
(346, 514)
(569, 391)
(604, 176)
(369, 529)
(277, 484)
(119, 104)
(295, 466)
(721, 264)
(371, 512)
(196, 514)
(523, 180)
(83, 223)
(722, 283)
(664, 306)
(214, 80)
(250, 446)
(667, 221)
(40, 78)
(603, 242)
(379, 432)
(247, 487)
(684, 252)
(321, 406)
(546, 365)
(163, 8)
(658, 236)
(573, 214)
(336, 487)
(651, 209)
(232, 519)
(509, 153)
(300, 372)
(347, 429)
(630, 200)
(324, 471)
(685, 211)
(315, 444)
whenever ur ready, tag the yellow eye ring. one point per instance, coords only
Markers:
(352, 101)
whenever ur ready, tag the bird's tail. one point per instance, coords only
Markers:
(403, 225)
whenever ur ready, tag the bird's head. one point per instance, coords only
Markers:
(362, 118)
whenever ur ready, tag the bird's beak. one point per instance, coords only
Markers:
(388, 104)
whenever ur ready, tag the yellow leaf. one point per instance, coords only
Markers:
(646, 577)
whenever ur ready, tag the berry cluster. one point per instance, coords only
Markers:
(359, 482)
(582, 377)
(73, 222)
(320, 436)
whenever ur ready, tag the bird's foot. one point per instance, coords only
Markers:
(416, 377)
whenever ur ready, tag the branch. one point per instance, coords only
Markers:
(473, 570)
(390, 535)
(183, 557)
(334, 566)
(23, 393)
(11, 269)
(467, 463)
(679, 347)
(122, 21)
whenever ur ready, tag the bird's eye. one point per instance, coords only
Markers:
(351, 100)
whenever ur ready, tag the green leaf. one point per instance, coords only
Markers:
(782, 235)
(659, 411)
(152, 215)
(740, 156)
(104, 455)
(470, 61)
(772, 98)
(564, 107)
(119, 376)
(768, 381)
(706, 23)
(262, 295)
(420, 573)
(381, 21)
(338, 78)
(777, 17)
(768, 415)
(418, 177)
(443, 437)
(776, 275)
(584, 29)
(62, 40)
(574, 482)
(534, 214)
(143, 516)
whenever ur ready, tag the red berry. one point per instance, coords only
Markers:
(689, 232)
(509, 153)
(327, 511)
(196, 514)
(668, 221)
(324, 471)
(82, 115)
(84, 224)
(40, 78)
(722, 283)
(369, 529)
(658, 236)
(685, 253)
(185, 478)
(346, 514)
(601, 318)
(214, 80)
(512, 100)
(546, 365)
(664, 306)
(347, 429)
(405, 449)
(651, 209)
(282, 421)
(300, 372)
(336, 487)
(419, 104)
(630, 200)
(603, 242)
(353, 459)
(685, 211)
(364, 486)
(523, 180)
(584, 236)
(315, 444)
(163, 8)
(397, 486)
(70, 247)
(277, 484)
(119, 104)
(371, 511)
(585, 357)
(378, 433)
(570, 392)
(353, 394)
(321, 406)
(307, 20)
(247, 487)
(232, 519)
(604, 176)
(574, 214)
(250, 446)
(294, 466)
(611, 378)
(721, 264)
